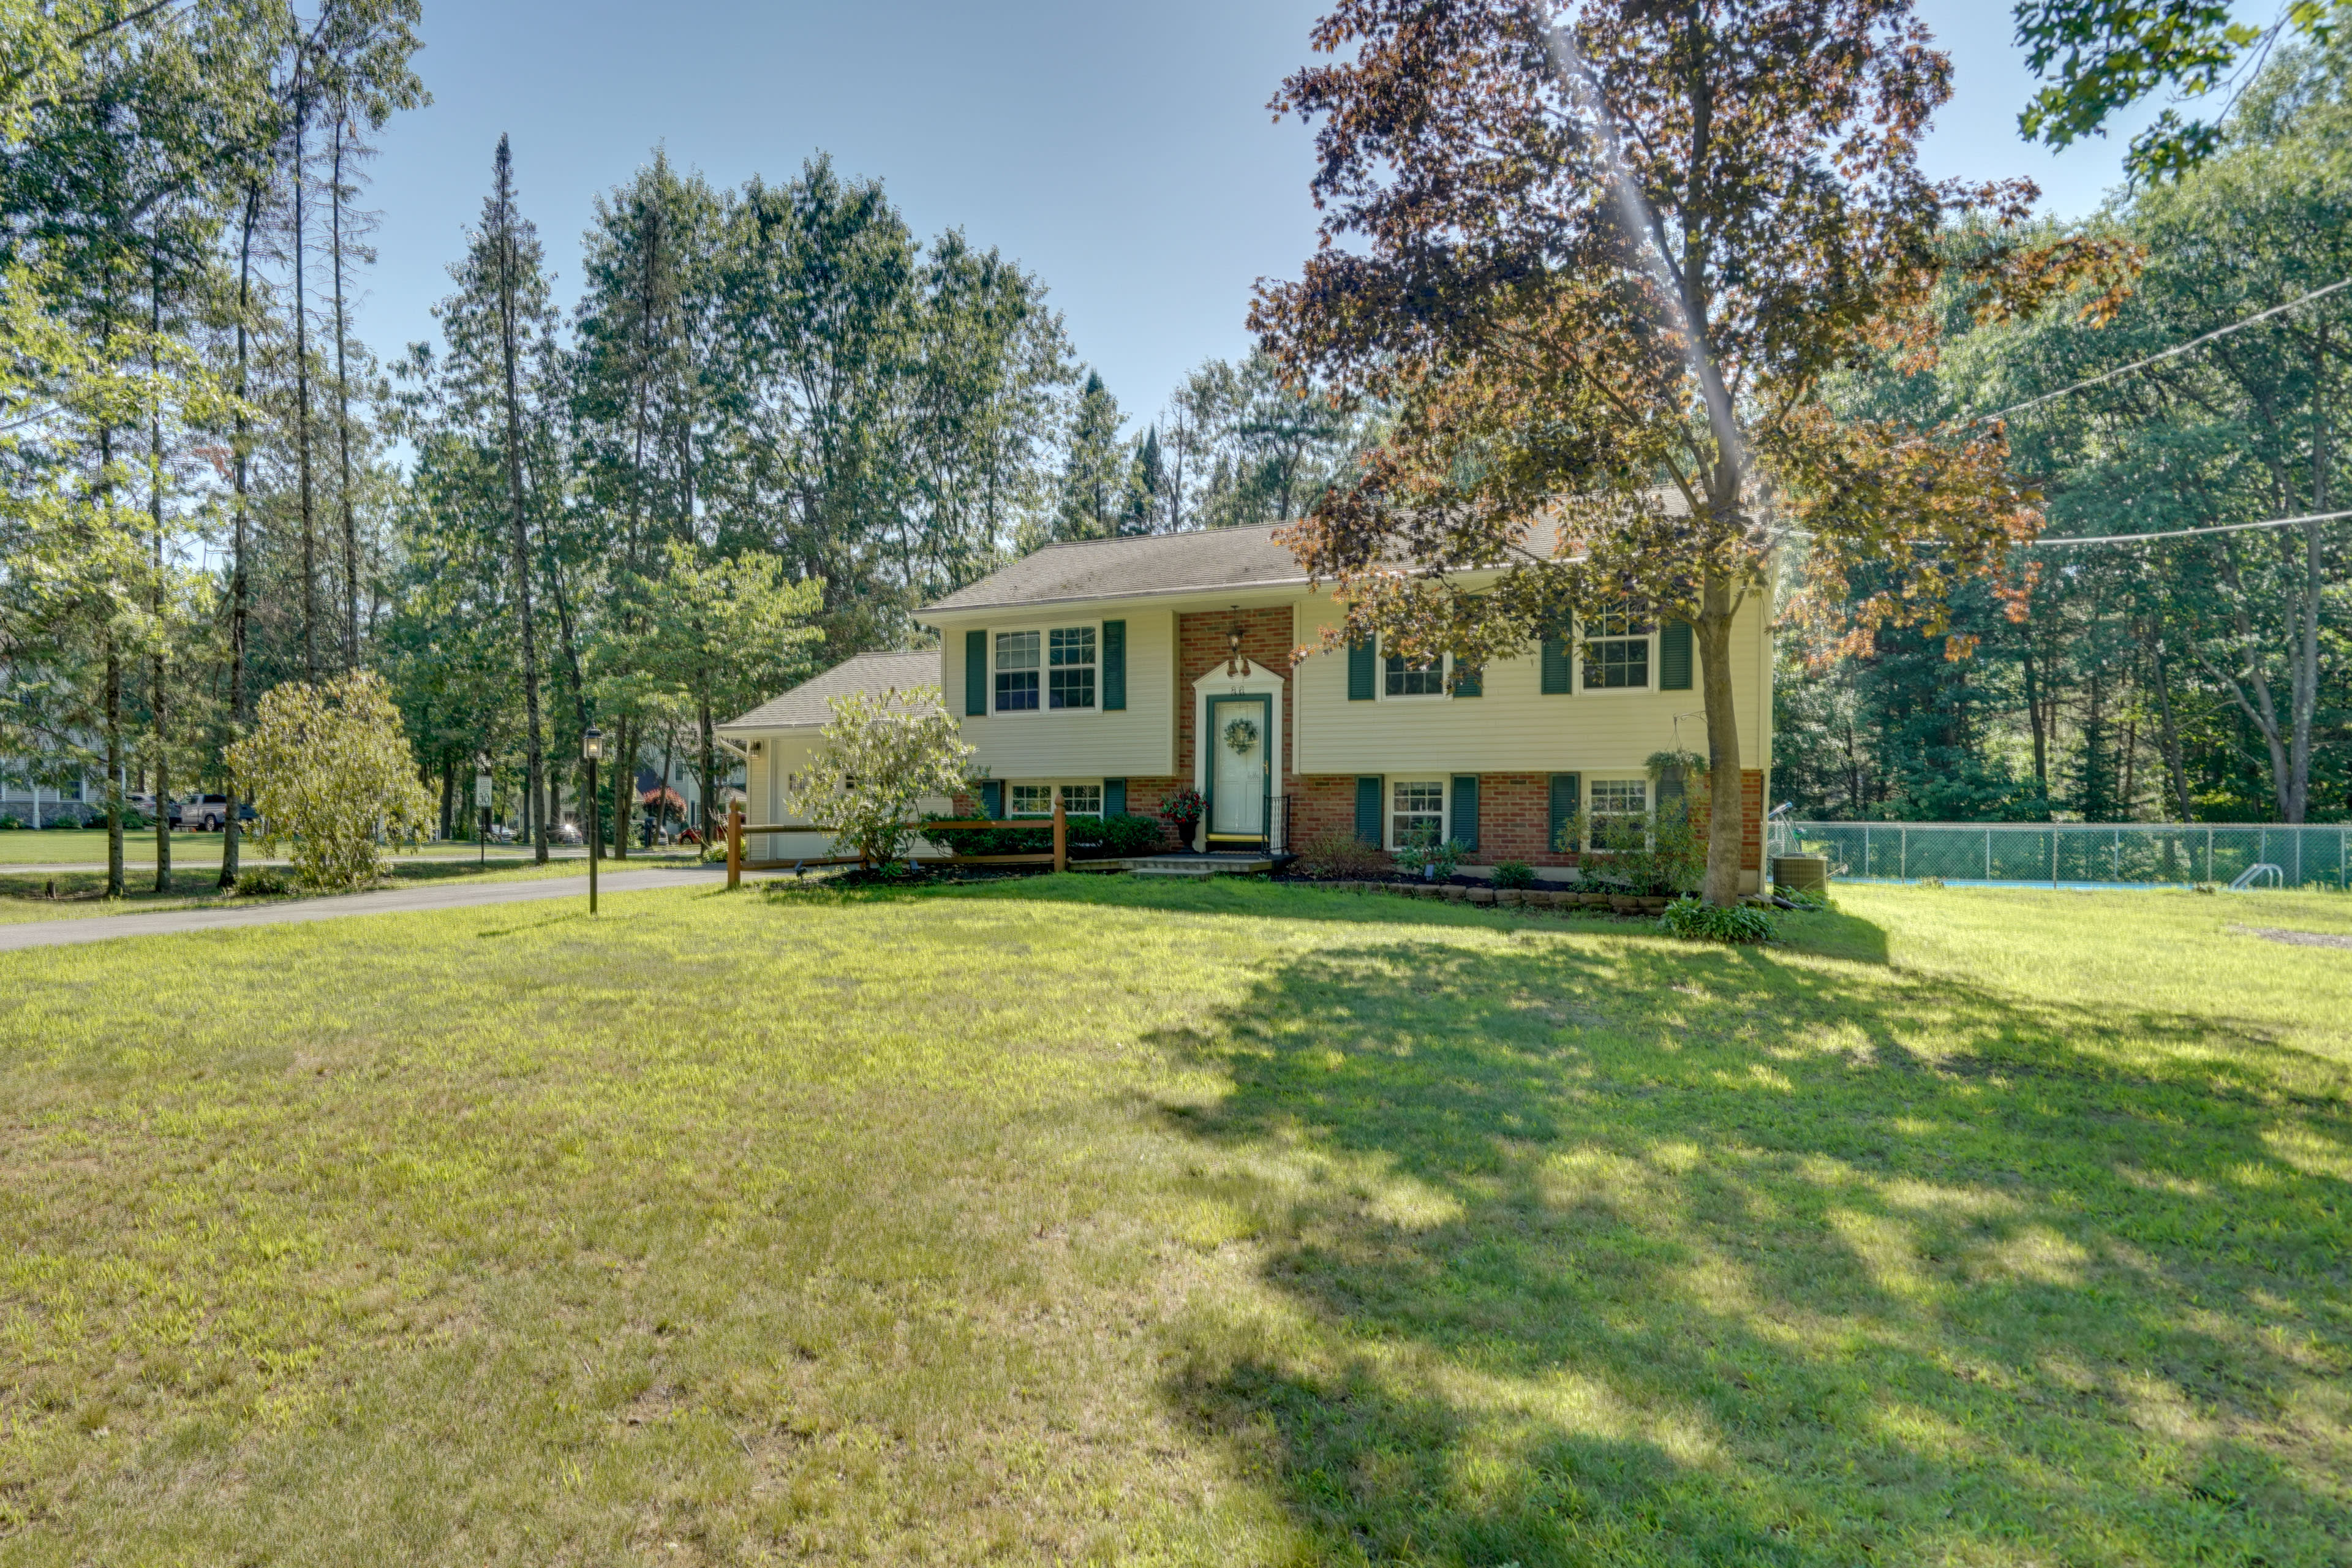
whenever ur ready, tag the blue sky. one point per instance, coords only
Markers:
(1120, 152)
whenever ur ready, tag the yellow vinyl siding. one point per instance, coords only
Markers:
(1513, 727)
(1086, 744)
(783, 752)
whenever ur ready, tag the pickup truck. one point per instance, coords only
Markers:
(209, 814)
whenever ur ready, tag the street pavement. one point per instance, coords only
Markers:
(390, 901)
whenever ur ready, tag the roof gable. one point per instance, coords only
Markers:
(1133, 567)
(872, 673)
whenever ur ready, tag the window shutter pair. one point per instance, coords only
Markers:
(1673, 657)
(1363, 672)
(1368, 811)
(1565, 792)
(1114, 670)
(1113, 797)
(1466, 811)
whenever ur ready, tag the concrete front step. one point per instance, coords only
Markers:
(1198, 866)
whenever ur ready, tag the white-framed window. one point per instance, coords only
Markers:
(1618, 656)
(1415, 805)
(1401, 677)
(1618, 801)
(1051, 668)
(1070, 667)
(1016, 671)
(1037, 799)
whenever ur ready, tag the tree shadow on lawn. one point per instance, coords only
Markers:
(1648, 1254)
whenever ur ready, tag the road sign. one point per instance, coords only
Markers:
(482, 789)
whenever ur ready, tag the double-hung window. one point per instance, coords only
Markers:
(1070, 675)
(1016, 671)
(1616, 653)
(1619, 806)
(1037, 799)
(1415, 805)
(1407, 679)
(1052, 669)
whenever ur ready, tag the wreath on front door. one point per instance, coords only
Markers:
(1242, 736)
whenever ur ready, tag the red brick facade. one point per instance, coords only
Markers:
(1201, 644)
(1513, 816)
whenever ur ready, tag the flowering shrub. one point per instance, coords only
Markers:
(330, 769)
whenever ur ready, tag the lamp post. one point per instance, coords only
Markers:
(591, 752)
(482, 803)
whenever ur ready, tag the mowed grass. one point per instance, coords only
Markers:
(1078, 1220)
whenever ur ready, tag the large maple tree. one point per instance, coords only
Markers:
(1601, 264)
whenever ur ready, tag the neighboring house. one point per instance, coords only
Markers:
(41, 804)
(778, 736)
(1088, 672)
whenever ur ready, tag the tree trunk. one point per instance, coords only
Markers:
(535, 759)
(448, 794)
(232, 830)
(2033, 718)
(624, 788)
(1726, 826)
(2168, 739)
(710, 762)
(343, 410)
(115, 888)
(155, 514)
(302, 395)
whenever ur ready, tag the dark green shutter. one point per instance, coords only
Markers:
(1674, 656)
(1114, 796)
(1114, 670)
(1559, 667)
(1564, 797)
(1466, 811)
(992, 798)
(1361, 671)
(975, 673)
(1469, 682)
(1368, 810)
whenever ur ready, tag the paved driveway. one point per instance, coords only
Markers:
(392, 901)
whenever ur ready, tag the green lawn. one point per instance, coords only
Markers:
(1075, 1219)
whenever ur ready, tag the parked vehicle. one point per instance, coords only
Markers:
(566, 833)
(207, 815)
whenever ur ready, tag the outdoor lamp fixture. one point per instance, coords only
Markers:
(1234, 644)
(591, 752)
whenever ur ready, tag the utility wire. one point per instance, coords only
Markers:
(2188, 532)
(2169, 354)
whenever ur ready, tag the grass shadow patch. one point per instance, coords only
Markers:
(1644, 1253)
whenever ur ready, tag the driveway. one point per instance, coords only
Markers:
(392, 901)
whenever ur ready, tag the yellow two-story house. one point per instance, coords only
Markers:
(1106, 675)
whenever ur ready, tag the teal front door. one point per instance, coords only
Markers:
(1240, 765)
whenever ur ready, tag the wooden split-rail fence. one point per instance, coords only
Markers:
(737, 830)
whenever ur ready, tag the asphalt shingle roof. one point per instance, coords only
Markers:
(868, 672)
(1124, 568)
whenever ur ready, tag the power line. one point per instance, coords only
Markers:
(2159, 358)
(2188, 532)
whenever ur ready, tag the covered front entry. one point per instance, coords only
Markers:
(1241, 740)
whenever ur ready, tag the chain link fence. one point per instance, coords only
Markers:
(2073, 854)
